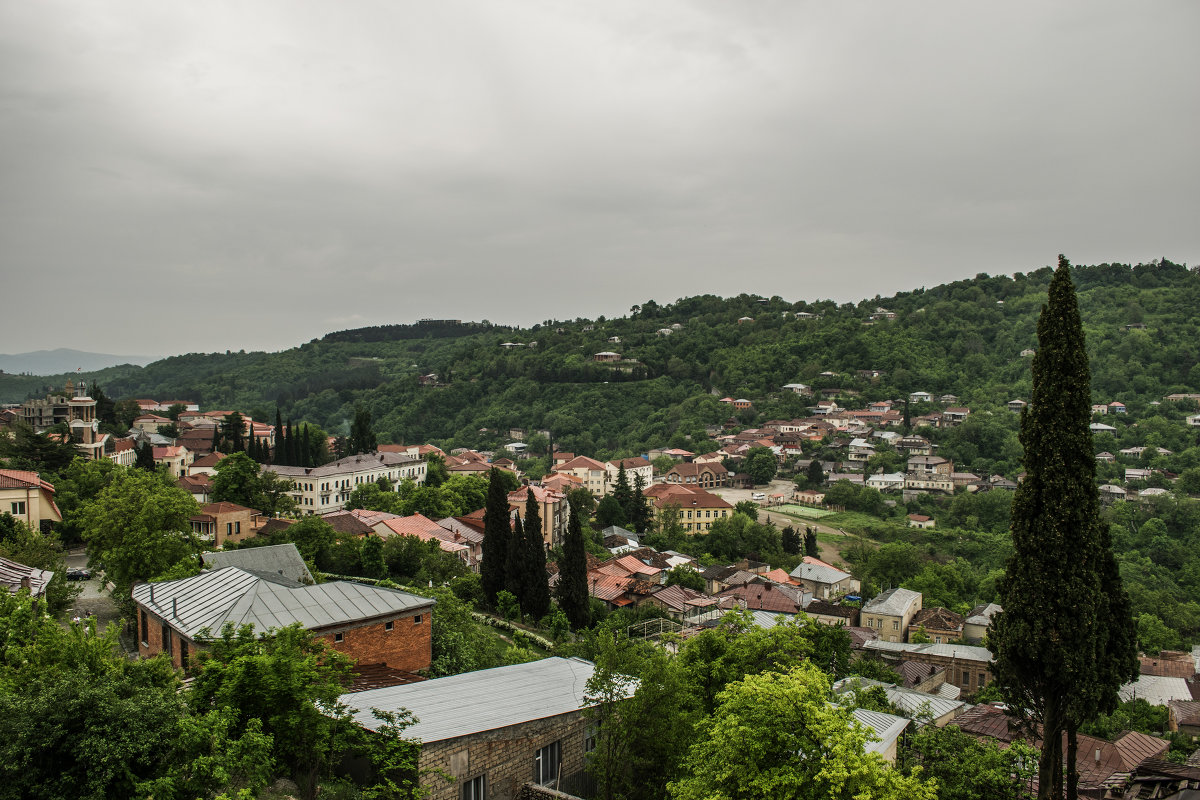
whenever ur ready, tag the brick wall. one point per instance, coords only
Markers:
(153, 643)
(504, 755)
(408, 646)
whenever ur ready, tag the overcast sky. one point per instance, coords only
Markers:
(179, 177)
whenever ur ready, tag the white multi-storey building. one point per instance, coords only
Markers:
(318, 490)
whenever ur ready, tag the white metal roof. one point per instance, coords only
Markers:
(910, 701)
(819, 573)
(893, 601)
(473, 702)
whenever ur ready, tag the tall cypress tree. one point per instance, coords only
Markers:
(536, 599)
(572, 587)
(496, 532)
(514, 562)
(641, 516)
(623, 493)
(306, 459)
(277, 456)
(1065, 641)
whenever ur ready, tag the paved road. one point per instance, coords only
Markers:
(93, 600)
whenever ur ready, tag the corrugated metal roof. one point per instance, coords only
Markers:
(964, 651)
(276, 559)
(910, 701)
(887, 727)
(893, 601)
(13, 572)
(446, 708)
(1156, 690)
(819, 573)
(213, 598)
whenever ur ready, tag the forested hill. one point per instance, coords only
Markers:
(963, 338)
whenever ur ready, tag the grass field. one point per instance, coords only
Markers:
(802, 511)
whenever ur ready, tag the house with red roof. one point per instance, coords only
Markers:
(225, 522)
(592, 474)
(28, 498)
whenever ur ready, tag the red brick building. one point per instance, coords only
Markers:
(369, 624)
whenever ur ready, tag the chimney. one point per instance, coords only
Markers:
(175, 612)
(1097, 755)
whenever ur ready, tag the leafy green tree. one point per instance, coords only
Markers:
(776, 735)
(138, 527)
(683, 575)
(239, 479)
(967, 768)
(436, 472)
(371, 554)
(497, 529)
(760, 464)
(609, 512)
(1065, 641)
(572, 586)
(80, 482)
(289, 682)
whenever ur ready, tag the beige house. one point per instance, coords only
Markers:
(224, 522)
(177, 459)
(592, 475)
(633, 468)
(553, 508)
(891, 612)
(28, 498)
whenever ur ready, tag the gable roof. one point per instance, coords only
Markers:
(275, 559)
(819, 573)
(233, 595)
(483, 700)
(581, 462)
(893, 601)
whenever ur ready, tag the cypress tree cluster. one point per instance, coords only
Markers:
(535, 597)
(524, 556)
(496, 533)
(1065, 641)
(572, 575)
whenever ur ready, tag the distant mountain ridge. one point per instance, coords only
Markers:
(63, 359)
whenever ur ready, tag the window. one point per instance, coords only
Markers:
(339, 637)
(546, 763)
(982, 680)
(589, 739)
(18, 508)
(145, 629)
(966, 678)
(895, 624)
(417, 619)
(387, 626)
(228, 528)
(166, 639)
(183, 652)
(475, 789)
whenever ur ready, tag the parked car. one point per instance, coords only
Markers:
(78, 574)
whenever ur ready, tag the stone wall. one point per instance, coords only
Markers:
(505, 756)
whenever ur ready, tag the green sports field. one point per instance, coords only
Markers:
(802, 511)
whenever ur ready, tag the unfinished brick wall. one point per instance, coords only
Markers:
(152, 644)
(407, 646)
(504, 755)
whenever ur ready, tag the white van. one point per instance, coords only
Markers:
(758, 496)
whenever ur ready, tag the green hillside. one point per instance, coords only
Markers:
(963, 338)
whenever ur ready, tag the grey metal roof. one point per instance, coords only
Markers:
(910, 701)
(1156, 690)
(485, 700)
(982, 615)
(276, 559)
(230, 594)
(819, 573)
(768, 619)
(964, 651)
(893, 601)
(887, 727)
(346, 466)
(13, 572)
